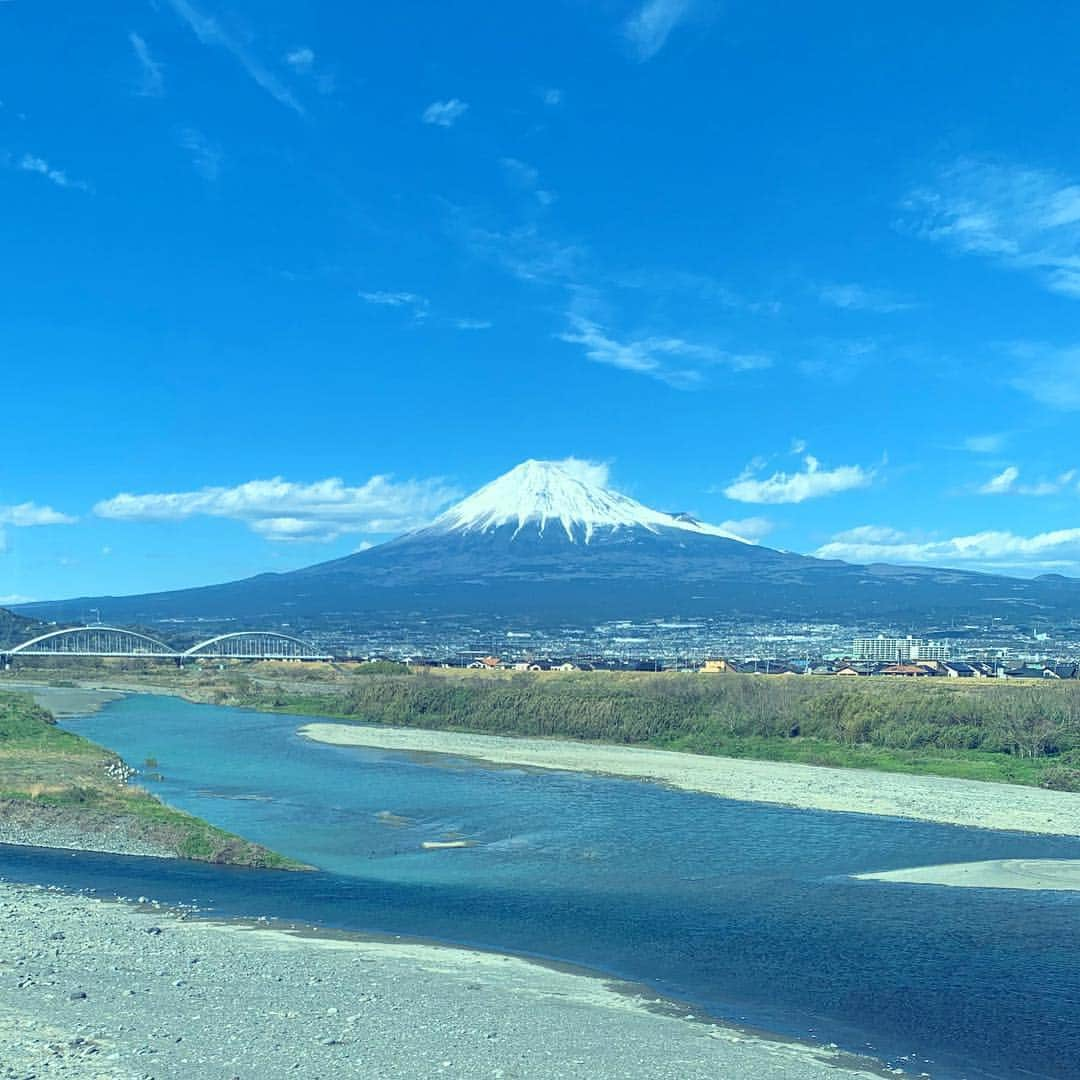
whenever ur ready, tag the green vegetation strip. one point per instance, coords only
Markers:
(1019, 733)
(51, 775)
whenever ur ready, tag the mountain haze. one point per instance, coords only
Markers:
(547, 541)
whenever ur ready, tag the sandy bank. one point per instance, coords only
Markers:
(96, 989)
(1058, 874)
(64, 701)
(926, 798)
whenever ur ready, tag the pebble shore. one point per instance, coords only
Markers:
(116, 991)
(41, 825)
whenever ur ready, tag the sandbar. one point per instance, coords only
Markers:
(939, 799)
(1060, 875)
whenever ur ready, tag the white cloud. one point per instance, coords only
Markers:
(1022, 218)
(415, 303)
(985, 444)
(648, 28)
(153, 80)
(1005, 483)
(672, 360)
(28, 514)
(472, 324)
(852, 297)
(1049, 374)
(210, 32)
(32, 164)
(444, 113)
(592, 473)
(989, 550)
(15, 598)
(300, 59)
(838, 360)
(812, 483)
(1002, 483)
(205, 157)
(525, 252)
(280, 510)
(526, 178)
(750, 528)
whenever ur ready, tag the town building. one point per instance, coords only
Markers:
(898, 650)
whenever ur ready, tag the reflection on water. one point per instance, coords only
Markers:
(747, 910)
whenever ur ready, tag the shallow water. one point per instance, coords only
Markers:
(746, 910)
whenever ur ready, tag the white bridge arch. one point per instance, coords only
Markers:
(116, 641)
(255, 645)
(92, 641)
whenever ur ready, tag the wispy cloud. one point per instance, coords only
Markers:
(811, 482)
(1021, 218)
(1047, 373)
(153, 78)
(985, 444)
(30, 163)
(444, 113)
(1007, 482)
(210, 32)
(300, 59)
(525, 252)
(526, 178)
(648, 28)
(838, 360)
(750, 528)
(988, 550)
(473, 324)
(1002, 483)
(417, 305)
(551, 96)
(205, 157)
(28, 514)
(671, 360)
(854, 297)
(280, 510)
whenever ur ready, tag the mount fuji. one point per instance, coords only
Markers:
(548, 542)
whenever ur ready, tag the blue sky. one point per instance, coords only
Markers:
(281, 279)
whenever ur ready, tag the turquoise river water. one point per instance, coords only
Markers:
(748, 912)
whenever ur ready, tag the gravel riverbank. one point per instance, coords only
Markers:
(40, 825)
(95, 989)
(812, 787)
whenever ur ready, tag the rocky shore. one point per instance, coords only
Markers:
(41, 825)
(113, 991)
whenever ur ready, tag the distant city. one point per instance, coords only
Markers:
(996, 648)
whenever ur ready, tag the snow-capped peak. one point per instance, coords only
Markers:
(567, 494)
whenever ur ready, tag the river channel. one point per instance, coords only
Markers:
(746, 912)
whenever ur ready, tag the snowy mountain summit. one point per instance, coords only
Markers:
(536, 497)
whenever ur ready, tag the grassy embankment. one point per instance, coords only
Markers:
(49, 776)
(1019, 733)
(994, 730)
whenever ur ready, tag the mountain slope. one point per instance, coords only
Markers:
(546, 542)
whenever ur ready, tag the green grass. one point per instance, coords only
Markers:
(961, 764)
(991, 730)
(44, 767)
(1002, 732)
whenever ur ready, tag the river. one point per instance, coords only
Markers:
(747, 912)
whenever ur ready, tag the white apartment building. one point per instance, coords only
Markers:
(898, 650)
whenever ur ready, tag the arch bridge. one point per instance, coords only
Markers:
(103, 641)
